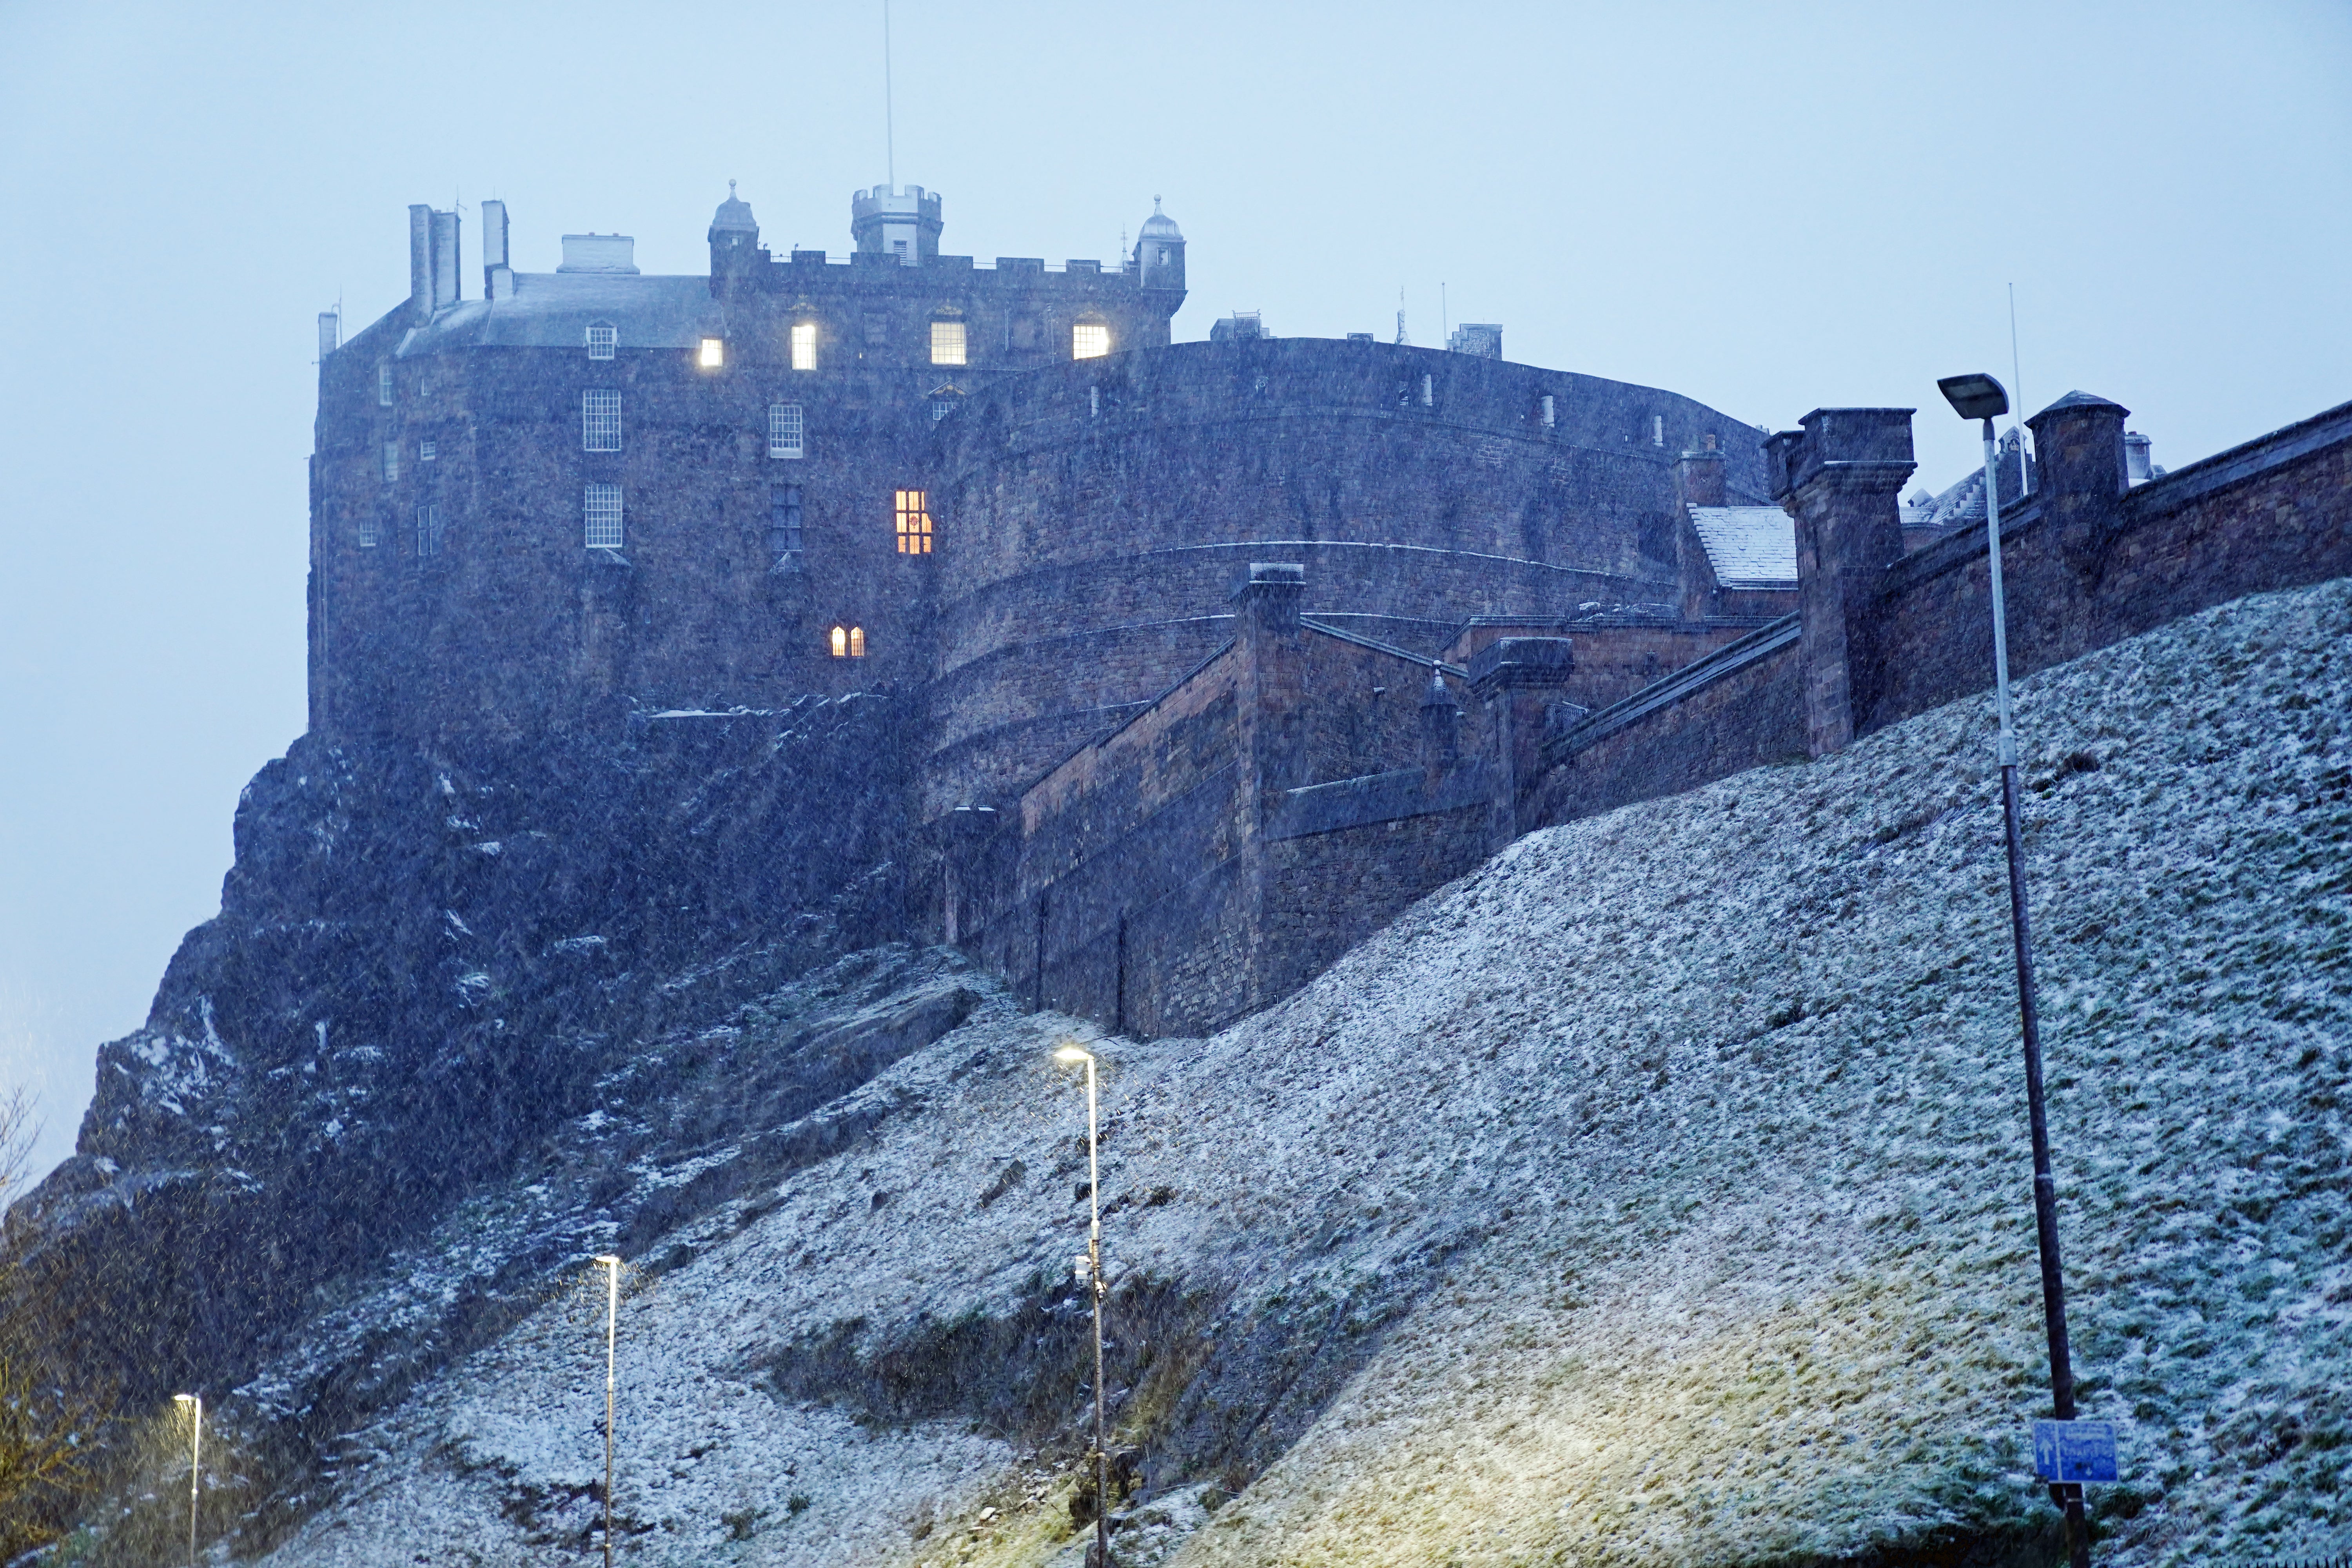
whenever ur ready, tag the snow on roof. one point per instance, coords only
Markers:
(1749, 546)
(551, 311)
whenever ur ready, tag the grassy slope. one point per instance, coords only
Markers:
(1668, 1176)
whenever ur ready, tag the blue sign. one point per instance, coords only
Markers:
(2074, 1450)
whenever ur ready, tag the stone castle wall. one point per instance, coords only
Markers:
(1094, 516)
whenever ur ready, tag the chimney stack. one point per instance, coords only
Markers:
(330, 333)
(497, 271)
(1698, 474)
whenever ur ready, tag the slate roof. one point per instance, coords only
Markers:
(555, 311)
(1749, 546)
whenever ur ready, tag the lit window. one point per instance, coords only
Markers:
(384, 385)
(599, 421)
(603, 516)
(785, 522)
(857, 642)
(601, 339)
(785, 431)
(947, 343)
(1090, 339)
(714, 353)
(371, 534)
(914, 521)
(841, 642)
(428, 530)
(391, 461)
(426, 451)
(804, 345)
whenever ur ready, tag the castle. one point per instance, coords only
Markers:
(1214, 655)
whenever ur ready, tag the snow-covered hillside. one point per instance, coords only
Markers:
(1657, 1194)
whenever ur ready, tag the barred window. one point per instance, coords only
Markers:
(603, 517)
(914, 520)
(599, 421)
(1090, 339)
(804, 345)
(848, 642)
(947, 343)
(785, 522)
(391, 461)
(384, 385)
(785, 431)
(428, 530)
(601, 339)
(857, 642)
(370, 532)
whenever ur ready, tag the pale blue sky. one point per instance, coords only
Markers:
(1769, 208)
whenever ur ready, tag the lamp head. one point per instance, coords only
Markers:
(1072, 1053)
(184, 1399)
(608, 1261)
(1975, 396)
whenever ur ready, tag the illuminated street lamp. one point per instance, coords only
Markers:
(1981, 397)
(196, 1403)
(612, 1267)
(1090, 1273)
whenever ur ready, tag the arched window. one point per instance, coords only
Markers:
(841, 642)
(1090, 339)
(857, 642)
(849, 642)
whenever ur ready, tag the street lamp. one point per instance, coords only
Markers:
(196, 1403)
(612, 1267)
(1090, 1272)
(1981, 397)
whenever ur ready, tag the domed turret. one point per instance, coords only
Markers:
(1159, 251)
(734, 239)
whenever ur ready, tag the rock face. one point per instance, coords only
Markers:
(1656, 1194)
(423, 964)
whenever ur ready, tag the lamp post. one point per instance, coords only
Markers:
(612, 1267)
(1091, 1272)
(1981, 398)
(196, 1403)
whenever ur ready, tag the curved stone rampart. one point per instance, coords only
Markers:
(1418, 487)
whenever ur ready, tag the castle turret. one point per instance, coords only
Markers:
(895, 221)
(734, 241)
(1159, 251)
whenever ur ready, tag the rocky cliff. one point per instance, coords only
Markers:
(1657, 1194)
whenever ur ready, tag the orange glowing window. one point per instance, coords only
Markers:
(849, 642)
(914, 519)
(857, 642)
(840, 642)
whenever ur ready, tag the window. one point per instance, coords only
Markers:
(1429, 392)
(384, 386)
(426, 451)
(713, 354)
(1090, 339)
(857, 642)
(371, 532)
(849, 642)
(601, 339)
(599, 421)
(940, 409)
(1657, 429)
(428, 530)
(1094, 402)
(804, 345)
(603, 516)
(1550, 419)
(391, 461)
(947, 343)
(786, 432)
(785, 522)
(914, 521)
